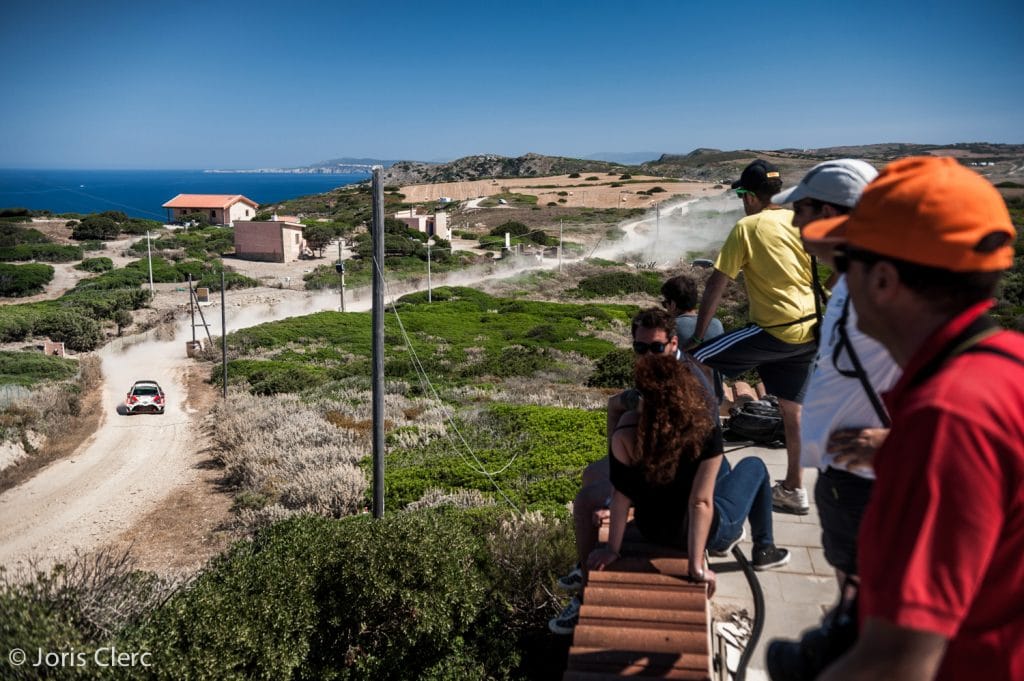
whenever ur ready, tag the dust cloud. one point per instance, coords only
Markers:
(678, 231)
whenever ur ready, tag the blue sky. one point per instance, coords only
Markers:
(130, 84)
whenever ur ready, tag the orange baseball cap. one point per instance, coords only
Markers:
(930, 211)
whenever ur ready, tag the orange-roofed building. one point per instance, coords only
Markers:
(220, 209)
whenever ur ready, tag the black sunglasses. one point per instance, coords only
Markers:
(842, 256)
(641, 348)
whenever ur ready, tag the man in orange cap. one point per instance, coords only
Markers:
(942, 540)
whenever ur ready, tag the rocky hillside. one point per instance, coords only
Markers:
(996, 161)
(491, 165)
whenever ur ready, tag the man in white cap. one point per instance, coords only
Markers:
(842, 413)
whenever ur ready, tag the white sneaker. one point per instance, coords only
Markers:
(790, 500)
(728, 549)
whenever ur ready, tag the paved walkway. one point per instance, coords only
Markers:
(796, 595)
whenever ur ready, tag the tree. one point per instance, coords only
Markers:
(97, 227)
(123, 319)
(317, 237)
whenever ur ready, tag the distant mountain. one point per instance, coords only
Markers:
(629, 158)
(335, 166)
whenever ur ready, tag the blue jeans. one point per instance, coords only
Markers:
(742, 492)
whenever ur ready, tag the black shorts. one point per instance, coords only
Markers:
(841, 498)
(784, 367)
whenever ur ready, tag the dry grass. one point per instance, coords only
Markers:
(53, 421)
(285, 456)
(103, 591)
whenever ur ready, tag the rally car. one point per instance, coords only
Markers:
(145, 396)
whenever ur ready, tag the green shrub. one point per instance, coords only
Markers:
(573, 176)
(99, 227)
(614, 370)
(655, 190)
(619, 283)
(24, 280)
(432, 594)
(12, 235)
(29, 368)
(41, 252)
(592, 178)
(102, 264)
(75, 330)
(625, 176)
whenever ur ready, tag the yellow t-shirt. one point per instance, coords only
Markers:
(777, 270)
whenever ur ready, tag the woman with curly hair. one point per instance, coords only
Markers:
(667, 463)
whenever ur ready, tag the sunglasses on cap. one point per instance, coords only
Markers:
(741, 191)
(642, 348)
(842, 256)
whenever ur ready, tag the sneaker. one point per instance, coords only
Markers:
(573, 581)
(790, 500)
(728, 549)
(566, 622)
(769, 556)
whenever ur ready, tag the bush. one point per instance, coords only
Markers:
(41, 252)
(573, 176)
(12, 235)
(24, 280)
(655, 190)
(625, 176)
(76, 331)
(592, 178)
(620, 283)
(95, 265)
(614, 370)
(29, 368)
(404, 597)
(96, 227)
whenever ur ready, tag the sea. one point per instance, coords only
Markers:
(141, 193)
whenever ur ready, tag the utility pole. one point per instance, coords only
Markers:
(559, 246)
(657, 226)
(430, 294)
(340, 268)
(378, 342)
(223, 335)
(149, 256)
(191, 309)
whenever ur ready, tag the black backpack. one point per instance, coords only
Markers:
(758, 421)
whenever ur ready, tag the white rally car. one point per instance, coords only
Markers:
(145, 396)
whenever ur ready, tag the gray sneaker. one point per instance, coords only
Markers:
(566, 622)
(572, 582)
(790, 500)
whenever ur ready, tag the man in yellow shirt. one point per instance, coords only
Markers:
(779, 342)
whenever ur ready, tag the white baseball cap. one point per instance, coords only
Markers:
(841, 182)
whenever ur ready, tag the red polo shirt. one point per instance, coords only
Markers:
(942, 541)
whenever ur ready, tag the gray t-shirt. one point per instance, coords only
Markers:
(686, 324)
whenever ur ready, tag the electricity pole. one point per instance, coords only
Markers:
(559, 246)
(340, 269)
(378, 342)
(149, 256)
